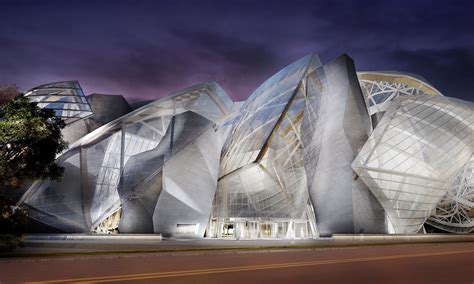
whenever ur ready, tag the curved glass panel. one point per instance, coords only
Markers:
(455, 212)
(135, 164)
(419, 146)
(380, 88)
(65, 98)
(263, 169)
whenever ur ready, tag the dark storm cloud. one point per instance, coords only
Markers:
(151, 48)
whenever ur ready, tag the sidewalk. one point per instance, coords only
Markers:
(64, 245)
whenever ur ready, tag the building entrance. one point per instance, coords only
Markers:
(253, 228)
(301, 230)
(228, 230)
(266, 230)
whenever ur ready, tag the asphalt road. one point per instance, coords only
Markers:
(423, 263)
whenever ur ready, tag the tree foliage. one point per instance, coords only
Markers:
(30, 139)
(8, 93)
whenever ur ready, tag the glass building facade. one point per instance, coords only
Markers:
(317, 149)
(455, 212)
(65, 98)
(415, 151)
(263, 185)
(147, 166)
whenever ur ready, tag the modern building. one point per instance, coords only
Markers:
(381, 88)
(454, 213)
(317, 149)
(65, 98)
(413, 154)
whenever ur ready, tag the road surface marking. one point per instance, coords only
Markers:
(143, 276)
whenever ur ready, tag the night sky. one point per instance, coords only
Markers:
(147, 49)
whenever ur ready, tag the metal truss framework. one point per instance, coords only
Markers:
(380, 88)
(418, 147)
(455, 212)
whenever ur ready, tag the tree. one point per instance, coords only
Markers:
(8, 93)
(30, 139)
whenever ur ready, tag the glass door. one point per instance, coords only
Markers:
(228, 230)
(266, 230)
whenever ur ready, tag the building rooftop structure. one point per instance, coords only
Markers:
(65, 98)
